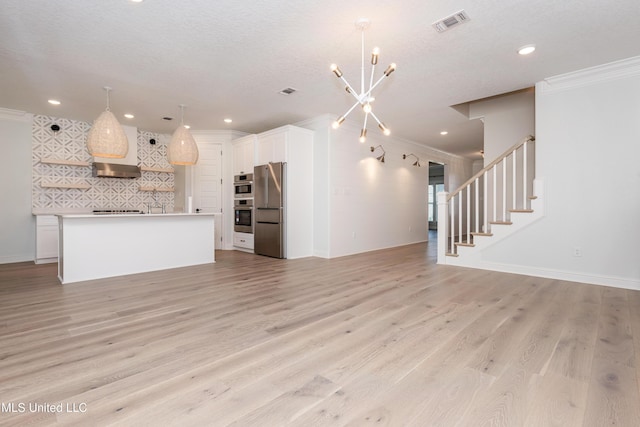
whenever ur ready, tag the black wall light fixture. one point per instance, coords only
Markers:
(381, 157)
(416, 163)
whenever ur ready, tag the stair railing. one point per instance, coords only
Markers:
(505, 185)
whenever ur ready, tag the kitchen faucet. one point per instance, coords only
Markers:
(155, 203)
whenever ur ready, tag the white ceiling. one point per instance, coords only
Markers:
(230, 58)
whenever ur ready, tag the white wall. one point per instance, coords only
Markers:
(17, 225)
(508, 119)
(362, 204)
(587, 154)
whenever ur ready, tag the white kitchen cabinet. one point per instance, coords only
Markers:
(243, 240)
(272, 146)
(46, 239)
(243, 154)
(294, 146)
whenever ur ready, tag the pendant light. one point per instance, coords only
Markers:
(106, 137)
(182, 149)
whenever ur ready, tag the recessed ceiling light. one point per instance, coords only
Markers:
(527, 49)
(129, 116)
(187, 127)
(444, 132)
(136, 1)
(54, 102)
(228, 120)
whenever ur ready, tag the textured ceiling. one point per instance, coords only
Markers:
(228, 58)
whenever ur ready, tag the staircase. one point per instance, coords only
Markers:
(496, 202)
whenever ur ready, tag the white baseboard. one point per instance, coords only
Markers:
(15, 258)
(570, 276)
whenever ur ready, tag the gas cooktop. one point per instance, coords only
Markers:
(116, 211)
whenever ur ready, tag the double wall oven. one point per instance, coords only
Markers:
(243, 186)
(243, 203)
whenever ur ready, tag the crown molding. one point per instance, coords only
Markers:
(8, 114)
(625, 68)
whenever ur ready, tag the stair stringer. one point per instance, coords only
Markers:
(471, 256)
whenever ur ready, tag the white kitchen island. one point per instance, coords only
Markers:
(98, 246)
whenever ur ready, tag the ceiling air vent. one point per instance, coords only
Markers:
(451, 21)
(287, 91)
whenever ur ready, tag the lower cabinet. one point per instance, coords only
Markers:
(243, 241)
(46, 239)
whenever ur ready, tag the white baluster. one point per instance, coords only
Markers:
(485, 217)
(495, 193)
(459, 218)
(477, 210)
(504, 189)
(525, 180)
(513, 179)
(452, 249)
(469, 213)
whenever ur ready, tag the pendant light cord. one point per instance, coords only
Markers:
(182, 115)
(108, 89)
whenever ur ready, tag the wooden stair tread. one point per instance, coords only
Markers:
(465, 244)
(521, 210)
(501, 222)
(482, 234)
(451, 254)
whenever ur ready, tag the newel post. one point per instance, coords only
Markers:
(443, 220)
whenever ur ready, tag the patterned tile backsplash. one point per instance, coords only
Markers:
(69, 143)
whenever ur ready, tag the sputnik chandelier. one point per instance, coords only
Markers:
(365, 97)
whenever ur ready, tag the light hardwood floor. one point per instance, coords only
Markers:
(386, 338)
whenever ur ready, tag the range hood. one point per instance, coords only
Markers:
(111, 170)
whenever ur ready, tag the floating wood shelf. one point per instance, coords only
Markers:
(64, 162)
(80, 186)
(154, 169)
(167, 189)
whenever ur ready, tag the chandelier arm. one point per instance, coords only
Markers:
(376, 118)
(373, 69)
(350, 109)
(364, 126)
(351, 89)
(362, 65)
(368, 93)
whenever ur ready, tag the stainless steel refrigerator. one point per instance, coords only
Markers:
(269, 196)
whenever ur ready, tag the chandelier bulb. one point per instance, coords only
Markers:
(385, 130)
(338, 122)
(363, 135)
(390, 69)
(336, 70)
(374, 55)
(366, 108)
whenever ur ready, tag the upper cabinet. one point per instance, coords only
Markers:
(243, 154)
(272, 146)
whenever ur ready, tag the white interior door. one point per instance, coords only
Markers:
(207, 185)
